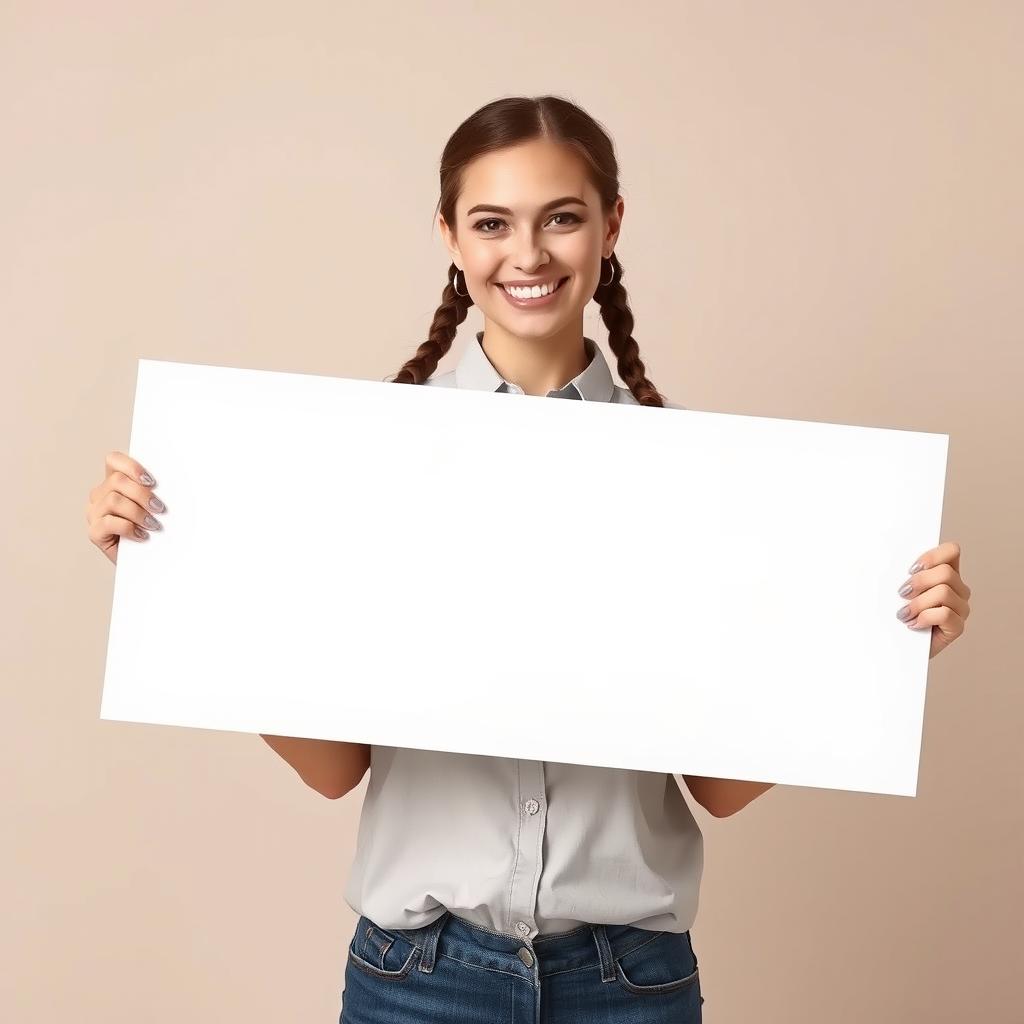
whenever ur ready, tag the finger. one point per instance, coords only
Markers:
(937, 597)
(117, 480)
(947, 552)
(117, 504)
(949, 623)
(110, 525)
(129, 466)
(925, 579)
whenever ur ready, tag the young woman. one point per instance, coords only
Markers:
(494, 888)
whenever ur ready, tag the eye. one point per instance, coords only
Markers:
(479, 225)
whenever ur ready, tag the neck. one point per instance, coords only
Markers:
(537, 364)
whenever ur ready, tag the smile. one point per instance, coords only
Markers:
(532, 302)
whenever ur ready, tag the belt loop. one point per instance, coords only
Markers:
(433, 933)
(604, 952)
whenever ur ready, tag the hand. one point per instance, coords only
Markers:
(939, 597)
(121, 504)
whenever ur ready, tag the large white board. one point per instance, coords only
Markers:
(659, 589)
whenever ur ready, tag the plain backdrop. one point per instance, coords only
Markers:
(822, 221)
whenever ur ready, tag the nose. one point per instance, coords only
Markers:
(530, 257)
(531, 268)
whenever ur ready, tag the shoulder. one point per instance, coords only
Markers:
(441, 380)
(620, 396)
(623, 396)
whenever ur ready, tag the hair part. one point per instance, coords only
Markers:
(509, 122)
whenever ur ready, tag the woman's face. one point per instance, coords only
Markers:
(529, 240)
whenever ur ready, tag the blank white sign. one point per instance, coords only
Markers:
(510, 575)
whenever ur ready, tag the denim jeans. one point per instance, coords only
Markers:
(455, 971)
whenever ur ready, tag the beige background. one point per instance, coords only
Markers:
(822, 221)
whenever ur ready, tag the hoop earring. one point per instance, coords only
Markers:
(604, 284)
(455, 283)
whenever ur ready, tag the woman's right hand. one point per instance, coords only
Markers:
(122, 505)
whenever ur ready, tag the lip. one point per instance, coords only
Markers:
(540, 303)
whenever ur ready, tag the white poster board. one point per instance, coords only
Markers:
(459, 570)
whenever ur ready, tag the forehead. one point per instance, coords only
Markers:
(525, 176)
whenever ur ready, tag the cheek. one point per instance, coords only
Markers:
(585, 260)
(481, 271)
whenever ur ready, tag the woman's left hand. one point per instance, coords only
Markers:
(938, 597)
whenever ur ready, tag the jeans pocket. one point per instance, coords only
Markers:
(664, 964)
(382, 953)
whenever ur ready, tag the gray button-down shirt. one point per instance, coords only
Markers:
(517, 846)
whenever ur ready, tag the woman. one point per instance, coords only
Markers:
(494, 888)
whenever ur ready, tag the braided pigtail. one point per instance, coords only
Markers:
(447, 317)
(618, 318)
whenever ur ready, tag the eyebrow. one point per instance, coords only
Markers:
(487, 208)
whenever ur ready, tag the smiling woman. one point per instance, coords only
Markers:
(478, 880)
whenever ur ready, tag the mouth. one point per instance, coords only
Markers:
(531, 303)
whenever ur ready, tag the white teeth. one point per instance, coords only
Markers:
(531, 293)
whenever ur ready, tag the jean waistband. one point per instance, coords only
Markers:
(585, 946)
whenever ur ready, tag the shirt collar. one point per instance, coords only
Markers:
(594, 384)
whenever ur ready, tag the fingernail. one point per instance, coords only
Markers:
(153, 524)
(905, 589)
(156, 504)
(140, 532)
(147, 479)
(914, 568)
(903, 612)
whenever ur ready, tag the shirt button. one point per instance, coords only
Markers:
(522, 927)
(532, 807)
(526, 956)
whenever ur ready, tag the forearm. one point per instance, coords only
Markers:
(722, 797)
(737, 793)
(331, 767)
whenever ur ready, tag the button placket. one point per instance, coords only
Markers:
(528, 854)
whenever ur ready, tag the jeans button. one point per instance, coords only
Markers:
(526, 956)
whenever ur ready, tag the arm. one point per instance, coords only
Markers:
(722, 797)
(331, 767)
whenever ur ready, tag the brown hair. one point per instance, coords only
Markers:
(508, 122)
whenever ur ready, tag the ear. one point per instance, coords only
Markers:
(614, 225)
(449, 240)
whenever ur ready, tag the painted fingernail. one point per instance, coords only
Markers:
(153, 524)
(914, 568)
(146, 479)
(156, 504)
(140, 532)
(903, 612)
(906, 589)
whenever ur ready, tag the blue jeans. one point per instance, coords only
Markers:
(455, 971)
